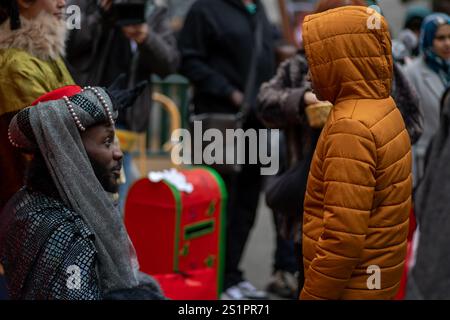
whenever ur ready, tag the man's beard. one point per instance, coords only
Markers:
(106, 177)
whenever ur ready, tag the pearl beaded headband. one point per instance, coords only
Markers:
(72, 112)
(99, 97)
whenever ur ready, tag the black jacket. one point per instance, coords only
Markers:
(216, 45)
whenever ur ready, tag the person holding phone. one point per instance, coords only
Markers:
(109, 40)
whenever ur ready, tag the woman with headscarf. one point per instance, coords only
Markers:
(32, 43)
(430, 74)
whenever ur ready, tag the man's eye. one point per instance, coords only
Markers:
(108, 142)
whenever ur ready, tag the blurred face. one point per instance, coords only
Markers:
(105, 155)
(441, 42)
(30, 9)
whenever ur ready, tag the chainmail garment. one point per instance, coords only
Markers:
(43, 240)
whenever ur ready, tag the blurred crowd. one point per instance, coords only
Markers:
(378, 197)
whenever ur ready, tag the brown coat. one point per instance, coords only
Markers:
(358, 197)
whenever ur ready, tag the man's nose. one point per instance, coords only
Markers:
(61, 3)
(117, 152)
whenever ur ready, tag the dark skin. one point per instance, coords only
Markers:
(105, 155)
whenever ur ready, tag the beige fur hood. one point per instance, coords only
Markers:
(43, 37)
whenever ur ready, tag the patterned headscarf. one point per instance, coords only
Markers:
(53, 129)
(429, 28)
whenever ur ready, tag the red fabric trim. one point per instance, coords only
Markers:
(58, 94)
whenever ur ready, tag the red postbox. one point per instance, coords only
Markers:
(179, 237)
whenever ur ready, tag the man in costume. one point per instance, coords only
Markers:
(61, 236)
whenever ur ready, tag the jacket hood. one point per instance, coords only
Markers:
(43, 37)
(349, 54)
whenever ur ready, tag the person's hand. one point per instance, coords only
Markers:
(138, 32)
(237, 98)
(105, 5)
(310, 98)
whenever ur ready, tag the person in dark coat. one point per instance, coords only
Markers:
(429, 277)
(217, 44)
(101, 50)
(430, 75)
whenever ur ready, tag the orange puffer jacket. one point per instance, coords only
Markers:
(359, 188)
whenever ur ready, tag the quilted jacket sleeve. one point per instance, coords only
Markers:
(348, 163)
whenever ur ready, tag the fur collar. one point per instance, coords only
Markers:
(43, 37)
